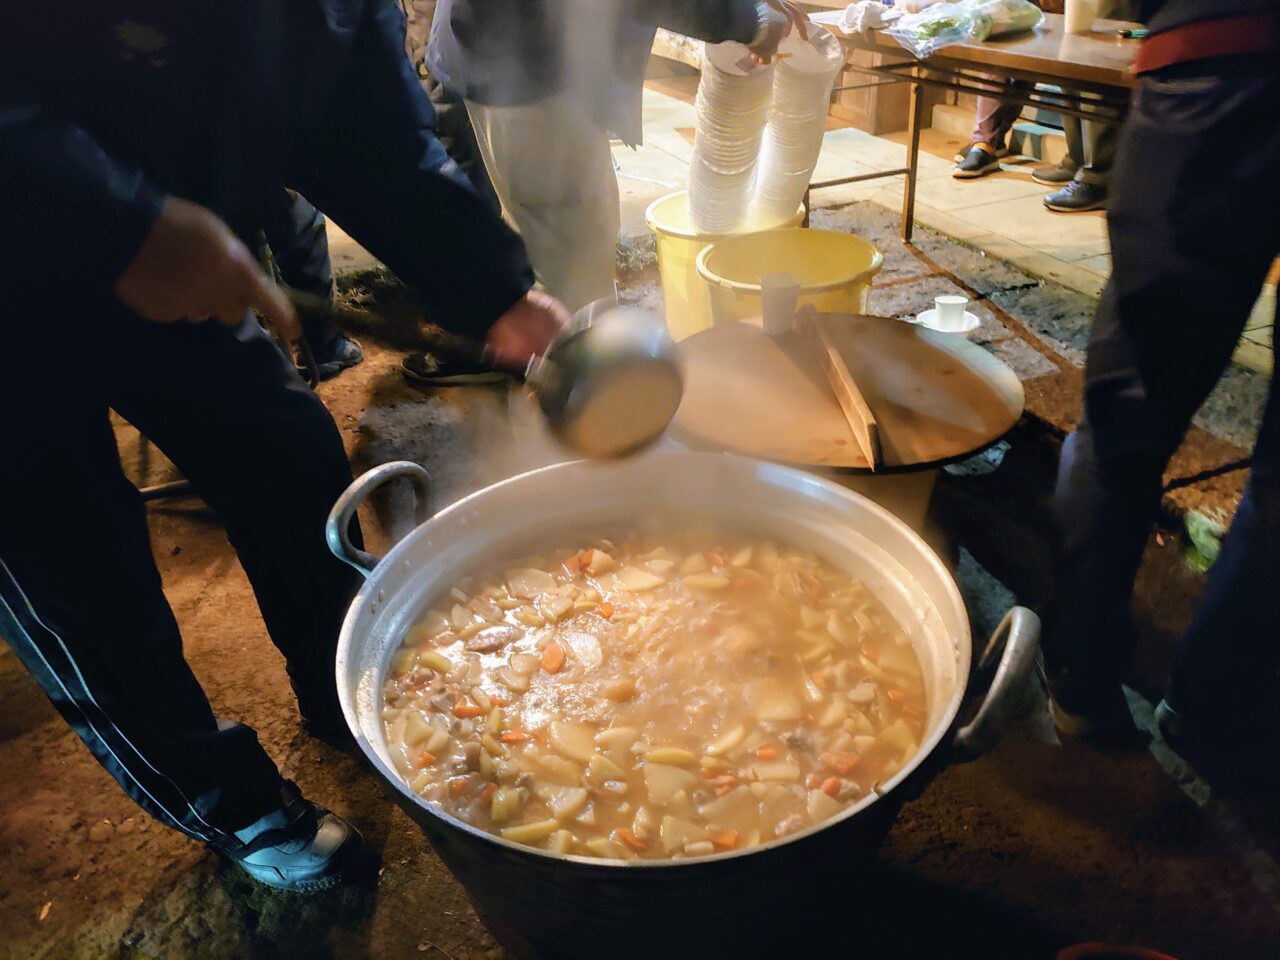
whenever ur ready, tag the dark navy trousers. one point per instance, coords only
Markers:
(81, 602)
(1195, 223)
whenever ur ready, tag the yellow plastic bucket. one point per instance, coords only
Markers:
(684, 293)
(835, 270)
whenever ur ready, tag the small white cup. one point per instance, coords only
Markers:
(1079, 15)
(949, 312)
(778, 295)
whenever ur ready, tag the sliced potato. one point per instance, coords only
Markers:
(573, 740)
(821, 807)
(675, 832)
(727, 740)
(528, 583)
(779, 770)
(665, 781)
(674, 755)
(531, 832)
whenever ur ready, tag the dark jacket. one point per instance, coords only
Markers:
(107, 107)
(509, 52)
(1161, 15)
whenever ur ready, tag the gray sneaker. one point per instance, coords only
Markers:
(1064, 171)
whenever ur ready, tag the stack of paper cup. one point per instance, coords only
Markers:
(802, 82)
(733, 101)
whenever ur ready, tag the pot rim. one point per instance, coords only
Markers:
(935, 739)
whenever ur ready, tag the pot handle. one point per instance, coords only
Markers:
(1017, 642)
(337, 531)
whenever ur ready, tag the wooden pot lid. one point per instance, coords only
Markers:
(936, 396)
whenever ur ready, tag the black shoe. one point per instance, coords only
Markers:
(429, 370)
(1000, 152)
(979, 161)
(1064, 171)
(1098, 717)
(340, 353)
(300, 847)
(1077, 197)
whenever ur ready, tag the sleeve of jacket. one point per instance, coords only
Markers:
(713, 20)
(376, 167)
(73, 216)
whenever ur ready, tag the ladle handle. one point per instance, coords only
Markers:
(337, 531)
(1016, 641)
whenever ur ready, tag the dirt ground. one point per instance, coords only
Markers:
(1033, 847)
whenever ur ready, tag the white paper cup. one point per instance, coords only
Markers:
(778, 295)
(1079, 15)
(950, 312)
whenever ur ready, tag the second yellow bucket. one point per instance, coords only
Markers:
(678, 243)
(834, 270)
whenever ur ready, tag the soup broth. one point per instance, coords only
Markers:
(658, 697)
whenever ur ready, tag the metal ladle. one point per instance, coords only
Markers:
(608, 387)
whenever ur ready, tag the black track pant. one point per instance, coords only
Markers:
(80, 597)
(1195, 223)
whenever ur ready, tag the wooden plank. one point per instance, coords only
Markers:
(862, 422)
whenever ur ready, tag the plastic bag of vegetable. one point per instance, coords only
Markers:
(962, 22)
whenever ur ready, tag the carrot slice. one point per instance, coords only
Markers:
(573, 564)
(715, 559)
(812, 781)
(630, 839)
(514, 736)
(894, 694)
(486, 795)
(553, 658)
(426, 758)
(767, 753)
(587, 554)
(605, 610)
(458, 787)
(499, 701)
(465, 711)
(724, 839)
(841, 762)
(871, 652)
(831, 786)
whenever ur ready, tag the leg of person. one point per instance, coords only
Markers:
(993, 119)
(261, 450)
(1064, 171)
(295, 232)
(1094, 157)
(81, 605)
(553, 171)
(1221, 704)
(1166, 327)
(453, 126)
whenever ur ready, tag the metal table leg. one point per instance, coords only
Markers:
(913, 156)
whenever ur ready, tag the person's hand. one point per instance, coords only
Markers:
(192, 267)
(527, 328)
(784, 16)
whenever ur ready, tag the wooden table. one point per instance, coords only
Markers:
(1092, 69)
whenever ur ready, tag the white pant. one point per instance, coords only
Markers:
(553, 172)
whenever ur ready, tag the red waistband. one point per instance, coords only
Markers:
(1221, 37)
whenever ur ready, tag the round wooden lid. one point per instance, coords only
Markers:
(936, 396)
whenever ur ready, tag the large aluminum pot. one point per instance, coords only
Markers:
(739, 904)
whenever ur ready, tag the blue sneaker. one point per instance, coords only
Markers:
(300, 847)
